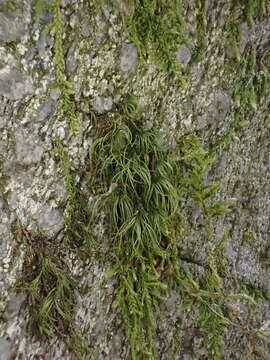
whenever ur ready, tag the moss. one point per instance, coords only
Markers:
(250, 91)
(66, 102)
(250, 8)
(142, 185)
(211, 321)
(46, 277)
(41, 5)
(50, 288)
(201, 22)
(242, 11)
(140, 204)
(157, 28)
(139, 185)
(10, 5)
(67, 105)
(69, 181)
(256, 293)
(78, 212)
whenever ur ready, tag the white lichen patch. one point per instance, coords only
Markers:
(11, 256)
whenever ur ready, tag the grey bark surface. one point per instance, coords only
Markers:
(103, 65)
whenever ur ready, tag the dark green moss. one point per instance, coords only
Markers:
(50, 288)
(140, 202)
(142, 187)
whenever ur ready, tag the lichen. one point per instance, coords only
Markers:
(139, 183)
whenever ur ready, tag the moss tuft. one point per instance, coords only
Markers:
(66, 102)
(142, 185)
(50, 288)
(250, 8)
(157, 27)
(140, 204)
(251, 89)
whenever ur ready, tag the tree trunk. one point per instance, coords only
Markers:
(195, 76)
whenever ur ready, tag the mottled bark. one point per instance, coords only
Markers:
(223, 98)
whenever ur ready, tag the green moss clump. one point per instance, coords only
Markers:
(201, 23)
(157, 29)
(140, 204)
(142, 186)
(46, 278)
(139, 184)
(211, 321)
(250, 8)
(50, 288)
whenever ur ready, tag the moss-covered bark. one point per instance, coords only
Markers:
(181, 248)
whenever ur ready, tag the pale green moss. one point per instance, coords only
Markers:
(157, 28)
(67, 105)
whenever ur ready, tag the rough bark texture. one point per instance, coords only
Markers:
(224, 99)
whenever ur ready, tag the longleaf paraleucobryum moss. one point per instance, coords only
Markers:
(141, 204)
(142, 186)
(141, 183)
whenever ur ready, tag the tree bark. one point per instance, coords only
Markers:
(64, 69)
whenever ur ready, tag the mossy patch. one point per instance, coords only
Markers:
(140, 203)
(194, 163)
(10, 5)
(250, 8)
(66, 104)
(78, 211)
(250, 91)
(201, 22)
(157, 28)
(142, 184)
(49, 285)
(46, 277)
(139, 184)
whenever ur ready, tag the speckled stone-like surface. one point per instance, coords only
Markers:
(103, 65)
